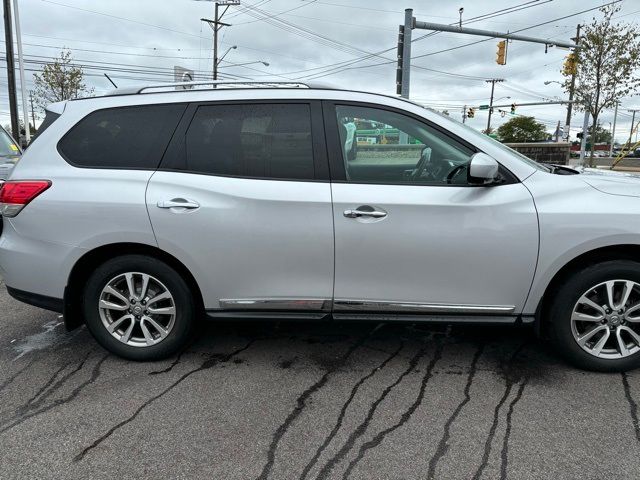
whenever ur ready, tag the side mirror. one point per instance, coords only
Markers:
(483, 169)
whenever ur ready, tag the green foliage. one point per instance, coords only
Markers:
(603, 135)
(60, 80)
(607, 64)
(522, 129)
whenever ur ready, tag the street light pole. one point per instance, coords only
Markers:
(585, 128)
(613, 131)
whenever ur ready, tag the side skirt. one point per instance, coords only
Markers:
(270, 315)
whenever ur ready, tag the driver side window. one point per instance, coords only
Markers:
(379, 146)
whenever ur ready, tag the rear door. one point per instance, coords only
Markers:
(243, 200)
(413, 235)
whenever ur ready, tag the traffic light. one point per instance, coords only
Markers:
(570, 66)
(501, 54)
(513, 109)
(471, 113)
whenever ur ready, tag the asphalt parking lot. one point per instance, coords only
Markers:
(309, 401)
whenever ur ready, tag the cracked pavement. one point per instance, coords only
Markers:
(309, 401)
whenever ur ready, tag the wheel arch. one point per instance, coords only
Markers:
(73, 317)
(584, 260)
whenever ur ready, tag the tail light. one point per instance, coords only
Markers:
(17, 194)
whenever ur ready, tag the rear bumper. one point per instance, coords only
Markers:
(40, 301)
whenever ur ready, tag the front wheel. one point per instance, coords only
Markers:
(139, 308)
(595, 317)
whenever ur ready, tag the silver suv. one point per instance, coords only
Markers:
(136, 212)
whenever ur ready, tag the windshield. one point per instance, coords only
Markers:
(8, 147)
(498, 144)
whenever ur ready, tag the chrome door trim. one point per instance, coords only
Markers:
(308, 304)
(345, 305)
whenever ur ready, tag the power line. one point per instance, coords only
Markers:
(118, 18)
(310, 2)
(340, 66)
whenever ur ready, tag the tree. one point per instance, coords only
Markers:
(522, 129)
(60, 80)
(602, 135)
(606, 65)
(7, 127)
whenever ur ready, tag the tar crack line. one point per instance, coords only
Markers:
(60, 401)
(504, 454)
(633, 406)
(344, 408)
(443, 445)
(509, 382)
(301, 403)
(207, 364)
(379, 438)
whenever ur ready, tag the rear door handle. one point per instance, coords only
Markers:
(357, 213)
(178, 203)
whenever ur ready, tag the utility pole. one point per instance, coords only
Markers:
(464, 114)
(33, 110)
(493, 86)
(557, 133)
(216, 24)
(571, 88)
(11, 74)
(633, 122)
(23, 81)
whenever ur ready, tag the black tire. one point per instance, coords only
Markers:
(185, 308)
(562, 307)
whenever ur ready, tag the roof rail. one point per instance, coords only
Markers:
(215, 85)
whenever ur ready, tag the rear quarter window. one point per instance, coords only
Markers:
(126, 137)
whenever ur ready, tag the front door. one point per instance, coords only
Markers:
(412, 235)
(243, 201)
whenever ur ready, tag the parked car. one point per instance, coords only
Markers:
(9, 154)
(138, 211)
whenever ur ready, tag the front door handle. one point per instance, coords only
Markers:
(357, 213)
(178, 203)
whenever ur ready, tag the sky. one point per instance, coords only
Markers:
(139, 42)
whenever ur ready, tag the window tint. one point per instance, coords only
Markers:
(379, 146)
(268, 141)
(128, 137)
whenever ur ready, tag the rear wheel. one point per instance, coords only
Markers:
(595, 318)
(139, 308)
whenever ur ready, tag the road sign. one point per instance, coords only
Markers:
(484, 107)
(181, 74)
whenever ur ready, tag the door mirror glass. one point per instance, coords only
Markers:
(483, 169)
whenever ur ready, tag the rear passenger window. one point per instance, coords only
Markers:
(265, 141)
(127, 137)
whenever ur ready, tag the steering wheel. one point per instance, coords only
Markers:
(455, 172)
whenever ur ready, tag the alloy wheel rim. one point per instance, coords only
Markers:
(605, 321)
(137, 309)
